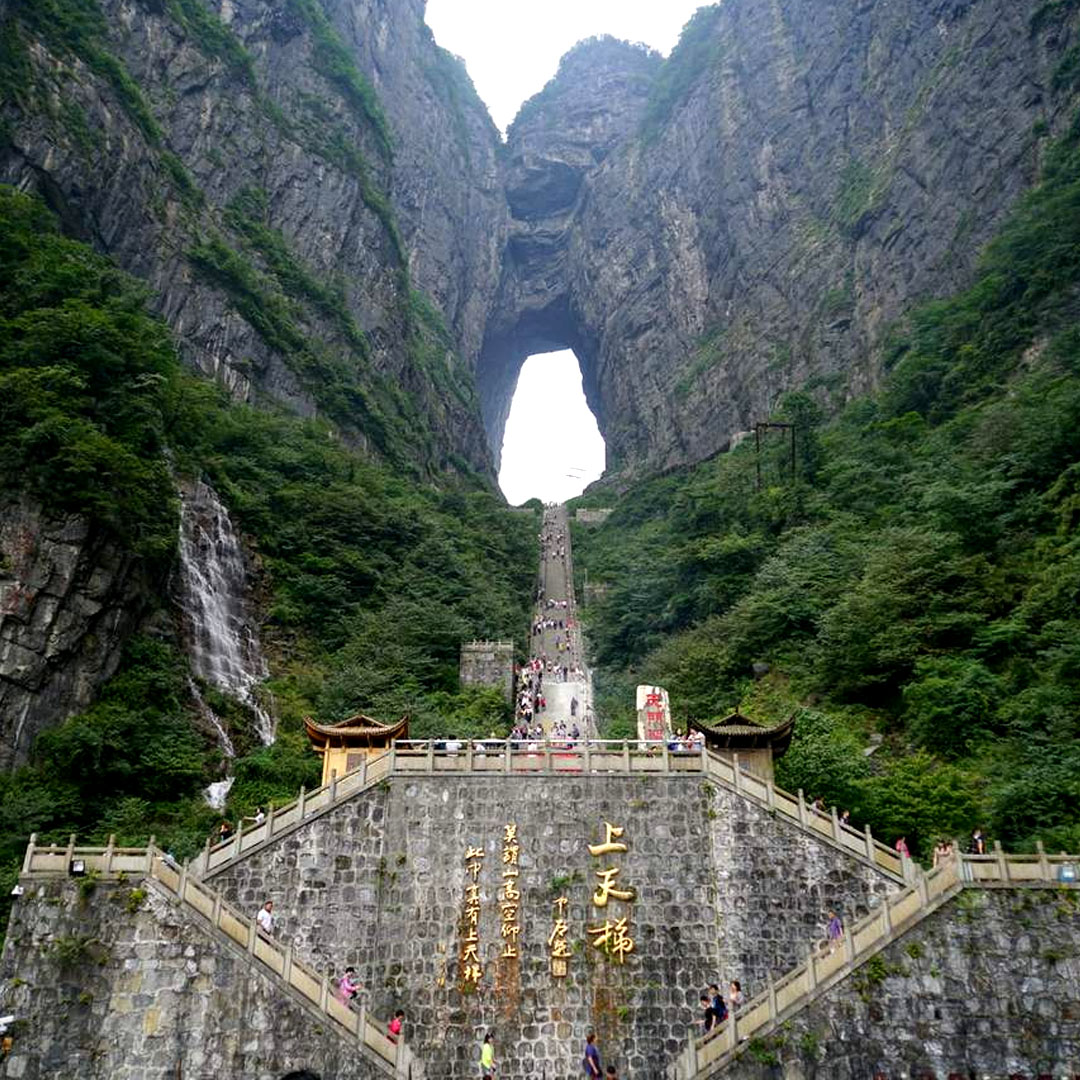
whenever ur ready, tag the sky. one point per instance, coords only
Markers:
(512, 48)
(552, 449)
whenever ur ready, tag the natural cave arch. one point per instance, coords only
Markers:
(533, 330)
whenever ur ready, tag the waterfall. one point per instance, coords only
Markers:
(223, 643)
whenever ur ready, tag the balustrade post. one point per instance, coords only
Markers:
(922, 889)
(1044, 862)
(253, 933)
(301, 804)
(151, 848)
(772, 998)
(324, 991)
(468, 755)
(626, 756)
(588, 756)
(811, 974)
(870, 845)
(835, 826)
(735, 766)
(770, 795)
(215, 911)
(393, 755)
(802, 808)
(286, 964)
(667, 757)
(361, 1027)
(849, 945)
(28, 858)
(333, 786)
(206, 854)
(181, 885)
(508, 761)
(1002, 862)
(431, 755)
(237, 837)
(734, 1028)
(109, 854)
(886, 917)
(363, 769)
(70, 853)
(270, 819)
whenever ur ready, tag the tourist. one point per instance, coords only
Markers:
(735, 995)
(393, 1030)
(845, 817)
(487, 1058)
(977, 845)
(265, 918)
(591, 1062)
(348, 986)
(941, 852)
(708, 1016)
(835, 930)
(225, 832)
(902, 848)
(258, 817)
(719, 1006)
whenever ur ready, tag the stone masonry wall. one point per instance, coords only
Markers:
(988, 986)
(723, 890)
(121, 985)
(488, 663)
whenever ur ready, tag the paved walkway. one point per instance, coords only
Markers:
(561, 646)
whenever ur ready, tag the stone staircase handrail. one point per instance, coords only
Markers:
(706, 1055)
(551, 756)
(394, 1058)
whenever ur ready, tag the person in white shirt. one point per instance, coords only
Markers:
(265, 918)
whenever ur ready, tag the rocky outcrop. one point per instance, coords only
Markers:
(273, 176)
(68, 599)
(801, 175)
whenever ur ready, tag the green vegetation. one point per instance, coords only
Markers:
(698, 50)
(212, 37)
(919, 578)
(371, 578)
(333, 60)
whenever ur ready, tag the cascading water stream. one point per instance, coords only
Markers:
(223, 643)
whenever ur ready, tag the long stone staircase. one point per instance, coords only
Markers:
(708, 1056)
(240, 933)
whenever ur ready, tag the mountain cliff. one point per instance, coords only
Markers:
(778, 193)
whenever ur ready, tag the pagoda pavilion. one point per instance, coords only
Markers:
(344, 745)
(756, 744)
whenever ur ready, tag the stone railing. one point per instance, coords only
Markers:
(707, 1055)
(315, 991)
(559, 757)
(283, 819)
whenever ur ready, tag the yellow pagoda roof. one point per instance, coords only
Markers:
(736, 731)
(356, 730)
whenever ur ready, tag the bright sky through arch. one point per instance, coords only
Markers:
(552, 449)
(512, 47)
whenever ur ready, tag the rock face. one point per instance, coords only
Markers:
(723, 891)
(800, 175)
(68, 599)
(275, 123)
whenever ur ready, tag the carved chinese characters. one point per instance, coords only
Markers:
(471, 965)
(510, 896)
(558, 946)
(612, 936)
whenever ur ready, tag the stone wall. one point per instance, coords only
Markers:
(723, 890)
(488, 663)
(119, 984)
(985, 987)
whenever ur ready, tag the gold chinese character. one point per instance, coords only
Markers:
(611, 835)
(474, 869)
(510, 930)
(470, 953)
(612, 938)
(558, 930)
(471, 973)
(510, 855)
(510, 950)
(510, 833)
(560, 905)
(472, 935)
(559, 967)
(510, 890)
(607, 888)
(474, 853)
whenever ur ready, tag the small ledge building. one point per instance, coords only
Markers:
(757, 745)
(346, 744)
